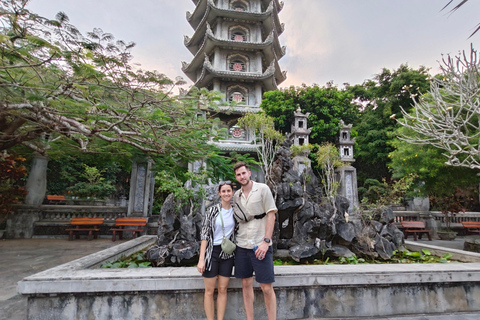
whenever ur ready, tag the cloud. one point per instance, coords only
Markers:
(343, 41)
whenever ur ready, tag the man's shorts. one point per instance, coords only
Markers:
(219, 267)
(246, 263)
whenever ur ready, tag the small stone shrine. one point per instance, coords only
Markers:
(300, 137)
(347, 175)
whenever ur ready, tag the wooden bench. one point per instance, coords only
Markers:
(472, 227)
(415, 227)
(130, 224)
(56, 199)
(84, 224)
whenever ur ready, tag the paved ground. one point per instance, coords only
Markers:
(24, 257)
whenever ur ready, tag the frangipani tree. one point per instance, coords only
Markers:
(265, 138)
(448, 115)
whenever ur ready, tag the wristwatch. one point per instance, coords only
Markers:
(267, 240)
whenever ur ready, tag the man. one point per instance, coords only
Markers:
(254, 209)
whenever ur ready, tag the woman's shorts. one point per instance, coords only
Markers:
(246, 263)
(220, 267)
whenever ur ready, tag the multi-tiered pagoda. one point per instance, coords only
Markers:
(236, 51)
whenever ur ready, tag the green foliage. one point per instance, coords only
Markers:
(176, 183)
(60, 86)
(136, 260)
(425, 256)
(399, 256)
(64, 170)
(328, 159)
(302, 150)
(265, 138)
(327, 105)
(378, 194)
(435, 178)
(380, 98)
(94, 186)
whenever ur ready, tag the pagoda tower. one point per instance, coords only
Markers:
(235, 51)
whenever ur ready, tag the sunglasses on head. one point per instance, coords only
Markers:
(228, 182)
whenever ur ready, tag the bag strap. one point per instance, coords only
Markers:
(221, 218)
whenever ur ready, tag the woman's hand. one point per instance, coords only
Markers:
(201, 266)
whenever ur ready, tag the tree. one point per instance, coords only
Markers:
(328, 159)
(56, 83)
(380, 98)
(447, 117)
(265, 138)
(433, 177)
(327, 106)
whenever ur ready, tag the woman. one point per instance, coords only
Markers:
(213, 262)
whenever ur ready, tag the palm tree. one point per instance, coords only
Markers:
(456, 7)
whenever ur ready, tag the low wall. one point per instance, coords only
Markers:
(51, 220)
(79, 290)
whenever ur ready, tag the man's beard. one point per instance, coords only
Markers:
(246, 184)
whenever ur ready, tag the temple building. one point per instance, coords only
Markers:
(235, 50)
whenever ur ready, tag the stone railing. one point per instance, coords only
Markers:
(64, 213)
(437, 217)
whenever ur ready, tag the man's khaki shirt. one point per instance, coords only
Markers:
(260, 200)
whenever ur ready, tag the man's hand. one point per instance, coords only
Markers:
(261, 250)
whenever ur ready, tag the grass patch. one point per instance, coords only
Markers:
(399, 256)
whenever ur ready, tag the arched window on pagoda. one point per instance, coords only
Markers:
(237, 63)
(239, 5)
(237, 94)
(239, 34)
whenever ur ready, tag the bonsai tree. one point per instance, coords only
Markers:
(449, 205)
(95, 185)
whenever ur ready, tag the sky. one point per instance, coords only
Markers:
(344, 41)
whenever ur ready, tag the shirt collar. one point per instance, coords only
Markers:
(254, 188)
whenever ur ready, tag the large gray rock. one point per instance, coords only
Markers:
(346, 231)
(177, 235)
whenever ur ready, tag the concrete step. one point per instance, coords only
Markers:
(440, 316)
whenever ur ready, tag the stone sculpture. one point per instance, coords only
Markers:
(307, 226)
(312, 228)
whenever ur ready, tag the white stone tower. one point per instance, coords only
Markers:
(347, 175)
(236, 51)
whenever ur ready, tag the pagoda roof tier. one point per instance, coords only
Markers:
(236, 146)
(207, 11)
(277, 3)
(240, 109)
(270, 47)
(267, 78)
(193, 43)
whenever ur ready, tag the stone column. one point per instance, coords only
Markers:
(258, 62)
(37, 181)
(347, 176)
(258, 94)
(141, 189)
(217, 60)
